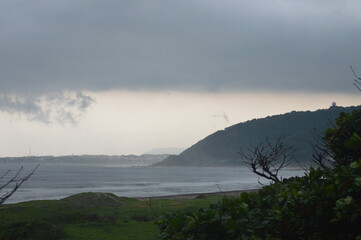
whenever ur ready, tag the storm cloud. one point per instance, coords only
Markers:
(209, 45)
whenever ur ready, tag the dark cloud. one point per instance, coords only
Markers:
(209, 45)
(65, 108)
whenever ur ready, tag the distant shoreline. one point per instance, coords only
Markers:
(190, 196)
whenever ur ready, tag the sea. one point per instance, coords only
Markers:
(59, 180)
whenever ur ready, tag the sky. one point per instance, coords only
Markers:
(125, 77)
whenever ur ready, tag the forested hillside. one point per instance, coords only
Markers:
(222, 147)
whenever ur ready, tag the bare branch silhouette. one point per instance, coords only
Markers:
(268, 158)
(357, 80)
(321, 154)
(15, 180)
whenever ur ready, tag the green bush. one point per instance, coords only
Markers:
(344, 140)
(323, 204)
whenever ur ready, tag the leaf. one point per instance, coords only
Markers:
(358, 181)
(354, 142)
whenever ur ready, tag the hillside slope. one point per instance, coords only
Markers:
(222, 147)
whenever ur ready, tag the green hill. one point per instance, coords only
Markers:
(222, 147)
(92, 216)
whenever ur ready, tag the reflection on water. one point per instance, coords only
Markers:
(55, 181)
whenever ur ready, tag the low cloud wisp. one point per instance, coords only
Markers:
(61, 108)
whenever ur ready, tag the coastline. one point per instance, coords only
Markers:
(190, 196)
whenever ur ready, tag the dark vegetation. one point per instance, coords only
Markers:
(323, 204)
(222, 148)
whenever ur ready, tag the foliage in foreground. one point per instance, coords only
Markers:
(324, 204)
(344, 140)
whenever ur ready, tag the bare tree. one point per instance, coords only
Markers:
(12, 183)
(322, 156)
(268, 158)
(357, 80)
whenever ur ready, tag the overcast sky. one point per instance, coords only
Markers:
(117, 71)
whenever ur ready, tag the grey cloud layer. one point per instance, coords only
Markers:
(179, 45)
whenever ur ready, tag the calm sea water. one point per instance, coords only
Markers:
(56, 181)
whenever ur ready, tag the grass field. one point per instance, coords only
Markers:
(91, 216)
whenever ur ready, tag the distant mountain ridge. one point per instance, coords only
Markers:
(169, 151)
(123, 160)
(222, 147)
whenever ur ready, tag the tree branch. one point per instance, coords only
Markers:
(268, 158)
(17, 181)
(357, 80)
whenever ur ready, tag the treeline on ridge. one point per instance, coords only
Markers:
(222, 147)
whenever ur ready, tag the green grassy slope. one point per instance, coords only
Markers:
(90, 216)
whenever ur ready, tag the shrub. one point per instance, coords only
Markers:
(344, 140)
(31, 230)
(323, 204)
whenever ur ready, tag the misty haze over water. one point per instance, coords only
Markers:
(56, 181)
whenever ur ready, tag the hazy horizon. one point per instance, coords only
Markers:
(218, 122)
